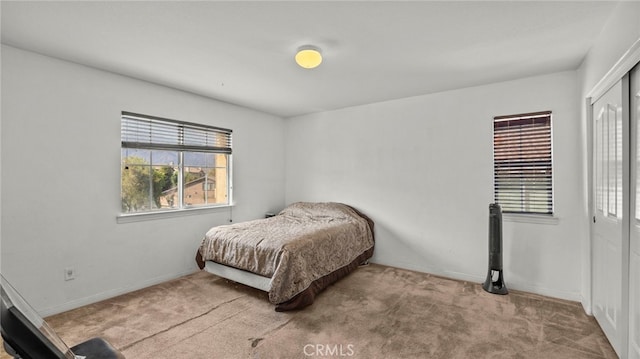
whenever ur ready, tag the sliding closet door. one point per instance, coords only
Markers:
(634, 245)
(609, 158)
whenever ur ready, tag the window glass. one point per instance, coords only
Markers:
(205, 178)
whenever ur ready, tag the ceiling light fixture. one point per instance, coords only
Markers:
(308, 57)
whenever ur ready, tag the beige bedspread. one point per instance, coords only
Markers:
(301, 244)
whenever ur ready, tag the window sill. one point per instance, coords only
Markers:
(150, 216)
(530, 218)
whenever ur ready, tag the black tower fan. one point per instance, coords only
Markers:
(495, 281)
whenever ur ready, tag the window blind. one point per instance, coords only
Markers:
(522, 163)
(142, 131)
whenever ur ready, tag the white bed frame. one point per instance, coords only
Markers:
(238, 275)
(244, 277)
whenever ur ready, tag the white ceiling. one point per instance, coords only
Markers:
(242, 52)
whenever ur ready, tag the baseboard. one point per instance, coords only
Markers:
(549, 292)
(434, 271)
(586, 305)
(76, 303)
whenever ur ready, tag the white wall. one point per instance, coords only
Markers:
(61, 180)
(422, 168)
(620, 32)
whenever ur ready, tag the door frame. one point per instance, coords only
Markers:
(627, 62)
(633, 307)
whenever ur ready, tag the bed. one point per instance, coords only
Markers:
(293, 255)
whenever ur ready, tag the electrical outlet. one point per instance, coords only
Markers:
(69, 273)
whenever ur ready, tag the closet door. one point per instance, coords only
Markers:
(608, 228)
(634, 245)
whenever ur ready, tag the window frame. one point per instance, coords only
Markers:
(208, 139)
(525, 215)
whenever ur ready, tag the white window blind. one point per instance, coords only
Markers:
(523, 163)
(141, 131)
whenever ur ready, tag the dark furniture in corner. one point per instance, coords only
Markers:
(27, 336)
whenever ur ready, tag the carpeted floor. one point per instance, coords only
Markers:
(376, 312)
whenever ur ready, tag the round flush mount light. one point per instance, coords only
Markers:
(308, 57)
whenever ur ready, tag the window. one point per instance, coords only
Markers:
(522, 163)
(173, 165)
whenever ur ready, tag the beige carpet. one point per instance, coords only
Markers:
(376, 312)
